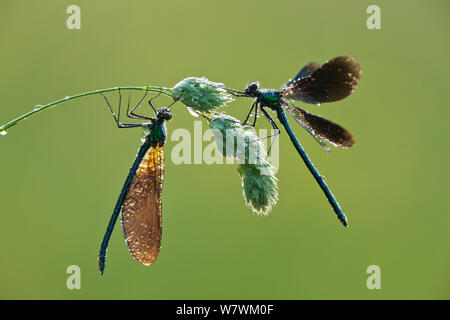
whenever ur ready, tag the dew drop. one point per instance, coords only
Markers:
(192, 112)
(38, 106)
(66, 97)
(3, 132)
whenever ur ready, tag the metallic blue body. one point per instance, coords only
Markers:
(331, 199)
(102, 255)
(157, 135)
(273, 100)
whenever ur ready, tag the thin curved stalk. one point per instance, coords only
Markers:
(39, 108)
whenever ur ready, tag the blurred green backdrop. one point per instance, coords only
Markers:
(61, 171)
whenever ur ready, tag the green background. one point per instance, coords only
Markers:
(61, 171)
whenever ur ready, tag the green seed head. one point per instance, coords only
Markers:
(201, 94)
(227, 130)
(260, 186)
(258, 177)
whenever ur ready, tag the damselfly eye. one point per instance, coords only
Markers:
(165, 114)
(252, 88)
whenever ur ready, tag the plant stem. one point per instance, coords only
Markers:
(39, 108)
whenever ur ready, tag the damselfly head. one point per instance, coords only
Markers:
(164, 114)
(252, 89)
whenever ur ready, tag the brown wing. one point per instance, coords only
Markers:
(321, 127)
(333, 81)
(141, 209)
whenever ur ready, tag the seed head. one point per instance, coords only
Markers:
(200, 94)
(259, 183)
